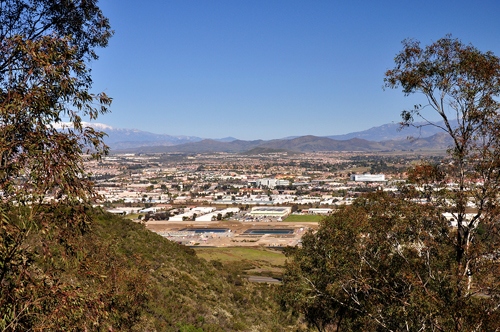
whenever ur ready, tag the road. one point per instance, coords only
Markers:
(264, 279)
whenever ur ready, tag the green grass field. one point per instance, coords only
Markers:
(133, 216)
(305, 218)
(255, 256)
(359, 169)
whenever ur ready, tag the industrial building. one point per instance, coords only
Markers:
(318, 211)
(270, 211)
(271, 183)
(368, 177)
(213, 215)
(199, 211)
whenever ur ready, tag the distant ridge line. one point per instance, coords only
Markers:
(385, 137)
(308, 143)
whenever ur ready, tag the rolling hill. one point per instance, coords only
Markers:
(303, 144)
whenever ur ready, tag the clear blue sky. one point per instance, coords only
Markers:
(269, 69)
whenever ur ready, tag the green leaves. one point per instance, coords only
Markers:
(389, 264)
(44, 48)
(383, 263)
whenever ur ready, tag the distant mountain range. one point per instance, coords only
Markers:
(382, 138)
(391, 131)
(302, 144)
(119, 138)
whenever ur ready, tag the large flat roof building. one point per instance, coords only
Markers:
(368, 177)
(271, 183)
(270, 211)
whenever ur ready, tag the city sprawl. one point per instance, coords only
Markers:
(225, 199)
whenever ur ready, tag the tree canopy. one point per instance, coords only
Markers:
(45, 48)
(462, 85)
(393, 263)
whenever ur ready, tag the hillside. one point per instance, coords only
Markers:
(187, 293)
(439, 141)
(207, 145)
(267, 150)
(313, 144)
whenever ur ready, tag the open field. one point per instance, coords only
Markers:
(359, 169)
(249, 261)
(305, 218)
(133, 216)
(257, 256)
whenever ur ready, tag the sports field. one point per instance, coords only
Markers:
(305, 218)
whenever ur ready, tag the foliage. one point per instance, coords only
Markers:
(46, 192)
(392, 265)
(386, 264)
(462, 85)
(67, 281)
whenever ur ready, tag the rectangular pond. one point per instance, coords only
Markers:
(269, 231)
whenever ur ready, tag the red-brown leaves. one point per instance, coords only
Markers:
(425, 173)
(45, 191)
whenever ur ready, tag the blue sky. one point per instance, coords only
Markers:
(269, 69)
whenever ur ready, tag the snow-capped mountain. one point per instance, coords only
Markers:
(97, 126)
(120, 138)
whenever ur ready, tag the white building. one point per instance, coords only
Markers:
(452, 218)
(271, 183)
(318, 211)
(199, 211)
(368, 177)
(150, 210)
(260, 211)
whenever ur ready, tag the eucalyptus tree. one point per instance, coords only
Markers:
(45, 49)
(461, 85)
(392, 264)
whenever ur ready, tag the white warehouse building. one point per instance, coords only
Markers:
(271, 183)
(368, 177)
(271, 211)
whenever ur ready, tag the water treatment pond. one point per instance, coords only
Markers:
(269, 231)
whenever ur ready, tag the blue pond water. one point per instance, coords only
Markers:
(269, 231)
